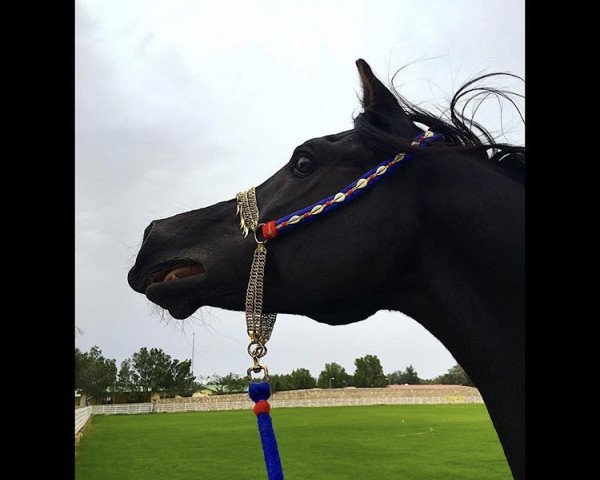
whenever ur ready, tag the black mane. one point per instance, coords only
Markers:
(460, 132)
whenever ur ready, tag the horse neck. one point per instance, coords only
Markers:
(466, 284)
(466, 280)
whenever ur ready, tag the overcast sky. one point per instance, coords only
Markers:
(181, 104)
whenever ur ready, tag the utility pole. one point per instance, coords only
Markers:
(193, 347)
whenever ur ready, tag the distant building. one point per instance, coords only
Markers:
(79, 399)
(139, 396)
(112, 396)
(213, 389)
(203, 392)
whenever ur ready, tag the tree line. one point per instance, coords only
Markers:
(368, 373)
(146, 371)
(152, 370)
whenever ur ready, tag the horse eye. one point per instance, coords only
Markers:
(303, 166)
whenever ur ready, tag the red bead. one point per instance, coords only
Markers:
(262, 406)
(269, 230)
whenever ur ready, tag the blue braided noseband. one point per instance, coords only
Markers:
(274, 228)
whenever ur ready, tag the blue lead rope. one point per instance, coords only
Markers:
(259, 393)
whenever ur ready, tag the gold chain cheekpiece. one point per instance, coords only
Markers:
(259, 325)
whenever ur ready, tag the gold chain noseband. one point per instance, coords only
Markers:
(259, 325)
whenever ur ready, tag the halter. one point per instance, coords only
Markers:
(260, 325)
(272, 229)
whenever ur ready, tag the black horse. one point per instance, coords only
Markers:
(441, 240)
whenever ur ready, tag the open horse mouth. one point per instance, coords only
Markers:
(175, 273)
(173, 286)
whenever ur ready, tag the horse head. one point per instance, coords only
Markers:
(338, 270)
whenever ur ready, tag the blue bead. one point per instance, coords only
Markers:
(259, 391)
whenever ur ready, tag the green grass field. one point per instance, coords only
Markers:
(380, 442)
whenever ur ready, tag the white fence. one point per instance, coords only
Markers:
(127, 408)
(82, 415)
(222, 404)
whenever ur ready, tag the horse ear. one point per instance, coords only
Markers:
(380, 105)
